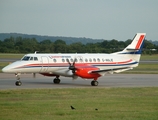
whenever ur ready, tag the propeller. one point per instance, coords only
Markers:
(72, 66)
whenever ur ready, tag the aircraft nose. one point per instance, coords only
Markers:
(10, 68)
(5, 70)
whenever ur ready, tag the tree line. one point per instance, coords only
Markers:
(30, 45)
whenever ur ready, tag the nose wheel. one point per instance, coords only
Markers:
(18, 82)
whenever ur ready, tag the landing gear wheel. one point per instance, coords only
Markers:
(94, 83)
(18, 83)
(56, 81)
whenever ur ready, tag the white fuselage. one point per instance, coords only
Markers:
(57, 63)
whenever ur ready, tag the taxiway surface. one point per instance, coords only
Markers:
(7, 81)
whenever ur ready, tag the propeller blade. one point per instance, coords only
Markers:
(68, 61)
(72, 66)
(74, 61)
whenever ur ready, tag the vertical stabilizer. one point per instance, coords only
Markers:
(134, 50)
(137, 44)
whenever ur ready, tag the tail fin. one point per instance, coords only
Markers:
(136, 46)
(134, 49)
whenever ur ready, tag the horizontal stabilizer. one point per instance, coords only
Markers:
(132, 49)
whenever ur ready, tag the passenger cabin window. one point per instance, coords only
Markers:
(81, 60)
(54, 60)
(71, 60)
(98, 59)
(94, 59)
(63, 60)
(86, 60)
(90, 60)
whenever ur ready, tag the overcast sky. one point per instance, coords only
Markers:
(97, 19)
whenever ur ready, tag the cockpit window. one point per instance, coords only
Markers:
(35, 58)
(31, 58)
(26, 58)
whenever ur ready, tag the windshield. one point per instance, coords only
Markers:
(26, 58)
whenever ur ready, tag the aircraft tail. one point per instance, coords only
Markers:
(134, 49)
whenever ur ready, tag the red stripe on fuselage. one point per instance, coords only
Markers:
(139, 42)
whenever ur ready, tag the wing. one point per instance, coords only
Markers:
(117, 70)
(90, 69)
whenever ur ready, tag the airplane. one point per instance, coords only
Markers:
(86, 66)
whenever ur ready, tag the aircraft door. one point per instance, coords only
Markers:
(45, 64)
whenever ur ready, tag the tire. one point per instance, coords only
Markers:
(56, 81)
(94, 83)
(18, 83)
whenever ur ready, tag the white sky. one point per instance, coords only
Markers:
(97, 19)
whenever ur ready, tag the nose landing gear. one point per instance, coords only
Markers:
(18, 82)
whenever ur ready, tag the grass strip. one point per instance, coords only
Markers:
(112, 104)
(144, 68)
(11, 56)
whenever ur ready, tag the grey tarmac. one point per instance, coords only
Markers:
(7, 81)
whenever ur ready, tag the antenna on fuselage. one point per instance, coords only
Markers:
(36, 52)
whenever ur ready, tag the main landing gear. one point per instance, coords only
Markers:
(18, 82)
(94, 83)
(56, 80)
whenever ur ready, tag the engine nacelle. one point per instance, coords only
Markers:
(84, 73)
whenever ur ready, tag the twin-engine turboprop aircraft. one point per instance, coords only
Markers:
(86, 66)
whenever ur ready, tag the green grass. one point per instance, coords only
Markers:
(144, 68)
(11, 56)
(149, 57)
(3, 64)
(112, 104)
